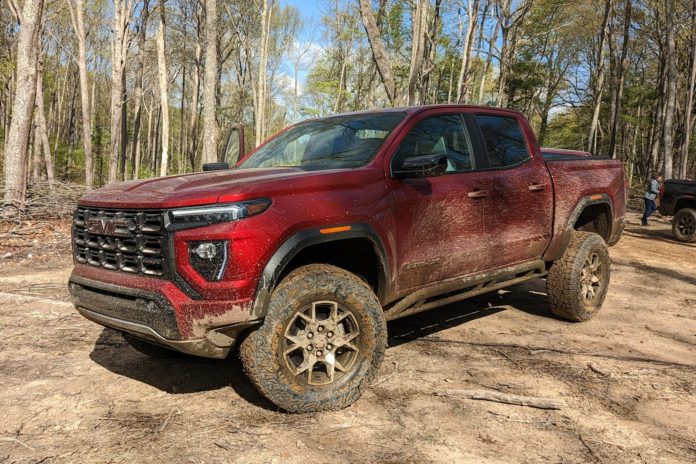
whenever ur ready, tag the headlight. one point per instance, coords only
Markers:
(185, 218)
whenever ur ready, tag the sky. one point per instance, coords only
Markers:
(308, 8)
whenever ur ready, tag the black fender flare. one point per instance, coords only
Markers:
(309, 237)
(584, 202)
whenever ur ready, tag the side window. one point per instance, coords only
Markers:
(440, 135)
(504, 140)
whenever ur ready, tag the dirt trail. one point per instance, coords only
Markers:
(74, 392)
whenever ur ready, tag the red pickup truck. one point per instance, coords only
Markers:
(311, 243)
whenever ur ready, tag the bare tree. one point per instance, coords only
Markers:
(119, 47)
(17, 142)
(472, 12)
(671, 86)
(688, 120)
(419, 27)
(41, 133)
(509, 22)
(210, 127)
(378, 52)
(77, 18)
(618, 87)
(164, 94)
(261, 94)
(599, 78)
(138, 111)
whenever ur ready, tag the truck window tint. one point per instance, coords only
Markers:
(504, 140)
(440, 135)
(331, 143)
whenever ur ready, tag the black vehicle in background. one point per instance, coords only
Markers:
(678, 199)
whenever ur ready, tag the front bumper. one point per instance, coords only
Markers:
(157, 311)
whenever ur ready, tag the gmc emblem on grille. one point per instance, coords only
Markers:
(104, 226)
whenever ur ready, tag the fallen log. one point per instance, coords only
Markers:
(498, 397)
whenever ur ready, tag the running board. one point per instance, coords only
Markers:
(464, 287)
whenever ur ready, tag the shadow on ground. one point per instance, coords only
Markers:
(188, 374)
(529, 297)
(181, 374)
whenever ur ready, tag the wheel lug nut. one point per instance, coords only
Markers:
(329, 346)
(310, 348)
(310, 335)
(330, 334)
(320, 328)
(318, 352)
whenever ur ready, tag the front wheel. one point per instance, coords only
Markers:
(321, 343)
(684, 225)
(578, 282)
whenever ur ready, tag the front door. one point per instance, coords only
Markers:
(439, 219)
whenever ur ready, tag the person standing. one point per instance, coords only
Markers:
(650, 198)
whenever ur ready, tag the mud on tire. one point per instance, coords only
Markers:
(684, 225)
(577, 283)
(302, 313)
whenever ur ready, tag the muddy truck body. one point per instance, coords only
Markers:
(303, 251)
(678, 198)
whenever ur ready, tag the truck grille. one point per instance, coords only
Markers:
(127, 241)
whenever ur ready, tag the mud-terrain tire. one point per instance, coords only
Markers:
(577, 283)
(312, 307)
(684, 225)
(150, 349)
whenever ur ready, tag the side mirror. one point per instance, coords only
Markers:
(422, 166)
(215, 166)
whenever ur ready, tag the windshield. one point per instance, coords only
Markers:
(332, 143)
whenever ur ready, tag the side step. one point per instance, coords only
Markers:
(462, 288)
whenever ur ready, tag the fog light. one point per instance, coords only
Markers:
(209, 258)
(206, 250)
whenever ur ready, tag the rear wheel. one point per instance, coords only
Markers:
(321, 343)
(684, 225)
(578, 282)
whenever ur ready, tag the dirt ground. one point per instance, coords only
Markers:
(71, 391)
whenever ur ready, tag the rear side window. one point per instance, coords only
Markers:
(504, 140)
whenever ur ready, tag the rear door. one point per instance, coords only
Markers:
(519, 211)
(439, 219)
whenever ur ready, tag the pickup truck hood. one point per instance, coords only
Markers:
(187, 189)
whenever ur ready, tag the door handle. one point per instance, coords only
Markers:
(537, 188)
(478, 194)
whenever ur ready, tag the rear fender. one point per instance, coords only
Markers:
(555, 252)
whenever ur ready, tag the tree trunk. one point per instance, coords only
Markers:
(138, 110)
(688, 121)
(472, 9)
(671, 86)
(16, 144)
(41, 130)
(77, 17)
(378, 52)
(164, 103)
(419, 24)
(119, 27)
(124, 126)
(210, 127)
(195, 90)
(599, 82)
(618, 89)
(487, 66)
(260, 113)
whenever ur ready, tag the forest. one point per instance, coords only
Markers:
(99, 91)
